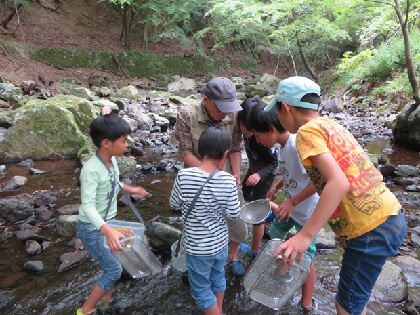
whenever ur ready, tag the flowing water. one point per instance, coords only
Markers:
(50, 292)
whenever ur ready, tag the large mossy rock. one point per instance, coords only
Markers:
(406, 129)
(50, 128)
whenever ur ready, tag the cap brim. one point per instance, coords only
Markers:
(228, 107)
(271, 105)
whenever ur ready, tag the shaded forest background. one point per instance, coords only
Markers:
(355, 47)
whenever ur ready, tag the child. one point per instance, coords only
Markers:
(260, 175)
(361, 210)
(301, 197)
(99, 191)
(206, 234)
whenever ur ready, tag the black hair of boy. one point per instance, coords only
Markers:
(247, 105)
(214, 142)
(260, 121)
(312, 98)
(110, 126)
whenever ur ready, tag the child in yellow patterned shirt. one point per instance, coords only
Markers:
(362, 211)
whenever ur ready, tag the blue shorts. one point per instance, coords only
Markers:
(94, 243)
(363, 260)
(280, 229)
(207, 277)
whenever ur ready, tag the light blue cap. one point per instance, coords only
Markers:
(291, 91)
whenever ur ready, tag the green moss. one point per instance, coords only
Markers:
(135, 64)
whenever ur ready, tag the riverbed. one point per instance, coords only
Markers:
(50, 292)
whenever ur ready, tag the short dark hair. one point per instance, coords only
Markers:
(312, 98)
(260, 121)
(110, 126)
(247, 105)
(214, 142)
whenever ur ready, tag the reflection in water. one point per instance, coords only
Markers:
(50, 292)
(395, 154)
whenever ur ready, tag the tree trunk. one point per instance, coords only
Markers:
(145, 39)
(10, 17)
(408, 58)
(124, 21)
(305, 61)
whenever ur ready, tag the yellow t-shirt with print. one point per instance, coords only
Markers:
(369, 202)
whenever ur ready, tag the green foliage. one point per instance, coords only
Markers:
(350, 62)
(383, 67)
(394, 88)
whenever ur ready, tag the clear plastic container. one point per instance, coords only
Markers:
(136, 227)
(268, 283)
(137, 258)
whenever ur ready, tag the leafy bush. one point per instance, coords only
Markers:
(383, 67)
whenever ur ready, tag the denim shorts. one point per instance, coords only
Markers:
(280, 229)
(363, 260)
(207, 277)
(94, 243)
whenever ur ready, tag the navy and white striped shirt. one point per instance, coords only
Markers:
(205, 231)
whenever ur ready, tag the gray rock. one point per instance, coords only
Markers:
(406, 128)
(57, 127)
(391, 286)
(14, 183)
(35, 171)
(44, 198)
(69, 260)
(16, 208)
(33, 247)
(162, 236)
(325, 239)
(410, 267)
(66, 225)
(34, 265)
(407, 170)
(69, 209)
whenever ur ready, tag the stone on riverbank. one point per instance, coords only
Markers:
(48, 128)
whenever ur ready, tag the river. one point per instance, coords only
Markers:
(50, 292)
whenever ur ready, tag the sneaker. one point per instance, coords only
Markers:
(246, 249)
(271, 216)
(237, 268)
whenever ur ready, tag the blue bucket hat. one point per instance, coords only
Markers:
(291, 91)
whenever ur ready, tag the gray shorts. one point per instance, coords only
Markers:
(238, 230)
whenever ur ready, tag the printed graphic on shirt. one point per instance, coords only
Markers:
(368, 196)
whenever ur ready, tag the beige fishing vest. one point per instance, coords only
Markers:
(198, 125)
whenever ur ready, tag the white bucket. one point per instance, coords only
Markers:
(180, 261)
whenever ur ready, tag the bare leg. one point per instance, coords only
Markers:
(214, 310)
(257, 235)
(92, 300)
(107, 297)
(308, 288)
(342, 311)
(233, 250)
(219, 297)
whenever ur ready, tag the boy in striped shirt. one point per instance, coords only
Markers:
(205, 231)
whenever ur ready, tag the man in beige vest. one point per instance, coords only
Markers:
(218, 108)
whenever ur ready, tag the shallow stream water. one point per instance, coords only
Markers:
(50, 292)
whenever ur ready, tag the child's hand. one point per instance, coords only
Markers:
(272, 193)
(139, 191)
(284, 210)
(112, 237)
(293, 247)
(253, 180)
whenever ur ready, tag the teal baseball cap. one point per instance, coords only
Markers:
(291, 91)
